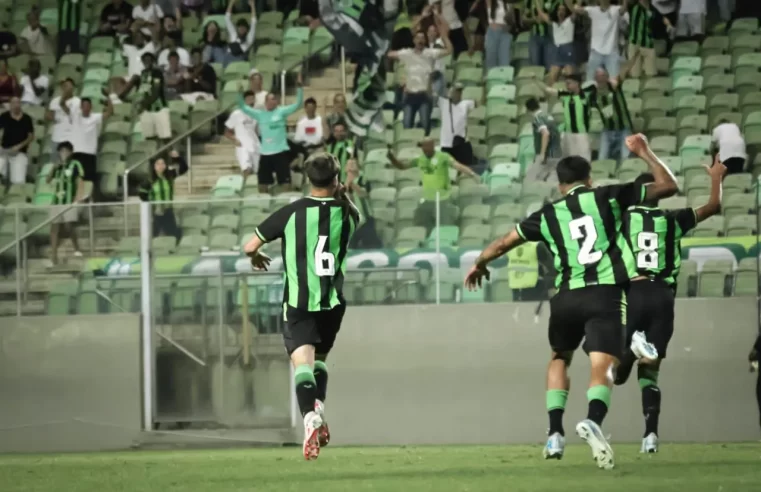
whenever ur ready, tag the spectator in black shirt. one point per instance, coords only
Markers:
(201, 79)
(115, 18)
(18, 133)
(8, 44)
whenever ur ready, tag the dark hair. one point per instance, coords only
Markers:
(573, 169)
(85, 100)
(65, 145)
(248, 93)
(532, 104)
(196, 50)
(310, 100)
(69, 80)
(575, 77)
(242, 22)
(217, 40)
(321, 169)
(173, 54)
(340, 121)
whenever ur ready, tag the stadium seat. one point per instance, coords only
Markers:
(713, 278)
(746, 278)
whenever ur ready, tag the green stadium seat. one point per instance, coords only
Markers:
(711, 227)
(448, 236)
(405, 178)
(742, 225)
(660, 126)
(232, 182)
(60, 298)
(687, 86)
(685, 65)
(685, 49)
(380, 177)
(746, 278)
(738, 204)
(475, 215)
(687, 281)
(690, 105)
(223, 241)
(718, 84)
(714, 45)
(714, 277)
(657, 106)
(472, 193)
(673, 203)
(474, 236)
(383, 197)
(410, 237)
(224, 223)
(695, 145)
(499, 76)
(195, 224)
(656, 87)
(163, 245)
(191, 244)
(737, 183)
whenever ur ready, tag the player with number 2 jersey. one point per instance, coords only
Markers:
(655, 239)
(594, 265)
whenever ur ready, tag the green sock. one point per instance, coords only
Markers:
(321, 377)
(599, 401)
(306, 388)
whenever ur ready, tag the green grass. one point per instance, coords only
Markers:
(683, 468)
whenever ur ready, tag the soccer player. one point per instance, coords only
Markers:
(654, 236)
(315, 231)
(594, 263)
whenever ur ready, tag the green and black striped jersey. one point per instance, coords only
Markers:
(611, 104)
(576, 110)
(315, 234)
(641, 25)
(583, 230)
(654, 236)
(541, 28)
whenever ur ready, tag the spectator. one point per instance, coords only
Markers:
(87, 127)
(155, 119)
(730, 144)
(115, 18)
(200, 80)
(547, 150)
(171, 47)
(69, 23)
(255, 85)
(275, 152)
(174, 77)
(146, 18)
(241, 130)
(604, 40)
(240, 37)
(499, 35)
(172, 27)
(418, 66)
(434, 166)
(8, 84)
(35, 38)
(8, 44)
(609, 98)
(540, 42)
(66, 177)
(664, 9)
(563, 59)
(576, 103)
(454, 122)
(338, 113)
(34, 85)
(341, 146)
(195, 6)
(18, 133)
(135, 51)
(309, 14)
(214, 49)
(115, 87)
(691, 17)
(366, 235)
(160, 190)
(309, 127)
(61, 112)
(446, 8)
(641, 49)
(438, 76)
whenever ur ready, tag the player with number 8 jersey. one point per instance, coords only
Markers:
(594, 266)
(315, 232)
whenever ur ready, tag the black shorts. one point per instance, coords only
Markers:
(594, 314)
(278, 164)
(651, 310)
(89, 164)
(318, 328)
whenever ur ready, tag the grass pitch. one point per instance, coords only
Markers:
(678, 467)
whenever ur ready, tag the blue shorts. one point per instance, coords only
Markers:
(564, 55)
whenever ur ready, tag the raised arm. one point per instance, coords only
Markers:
(713, 206)
(543, 16)
(465, 170)
(396, 162)
(443, 28)
(248, 110)
(498, 247)
(665, 184)
(578, 9)
(292, 108)
(252, 27)
(550, 91)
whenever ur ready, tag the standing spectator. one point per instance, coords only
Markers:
(641, 49)
(155, 119)
(366, 235)
(135, 51)
(172, 27)
(275, 152)
(604, 42)
(255, 85)
(146, 17)
(454, 121)
(691, 17)
(563, 59)
(69, 23)
(434, 166)
(309, 14)
(69, 189)
(87, 127)
(456, 30)
(169, 46)
(240, 37)
(609, 98)
(8, 84)
(576, 104)
(160, 189)
(309, 127)
(540, 42)
(341, 146)
(34, 85)
(547, 143)
(338, 113)
(418, 66)
(730, 144)
(214, 49)
(18, 133)
(115, 18)
(499, 34)
(438, 76)
(174, 77)
(665, 9)
(8, 44)
(35, 39)
(200, 80)
(61, 112)
(241, 130)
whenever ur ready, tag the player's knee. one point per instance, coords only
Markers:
(566, 357)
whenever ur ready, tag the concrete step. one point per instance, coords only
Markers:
(32, 307)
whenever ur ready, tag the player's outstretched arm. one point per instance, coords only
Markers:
(259, 260)
(717, 173)
(497, 248)
(665, 184)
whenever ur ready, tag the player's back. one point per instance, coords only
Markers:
(654, 236)
(315, 234)
(583, 232)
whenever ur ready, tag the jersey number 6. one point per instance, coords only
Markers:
(584, 228)
(324, 261)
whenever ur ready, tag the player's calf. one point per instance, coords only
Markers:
(558, 385)
(647, 374)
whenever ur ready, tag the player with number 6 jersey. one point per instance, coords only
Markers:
(655, 238)
(315, 232)
(595, 264)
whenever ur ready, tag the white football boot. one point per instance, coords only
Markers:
(312, 425)
(649, 444)
(324, 434)
(641, 348)
(601, 450)
(555, 447)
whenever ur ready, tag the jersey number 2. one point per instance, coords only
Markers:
(647, 243)
(324, 261)
(584, 228)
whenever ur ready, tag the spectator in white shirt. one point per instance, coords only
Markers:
(309, 127)
(134, 52)
(34, 85)
(87, 127)
(690, 21)
(174, 77)
(241, 130)
(604, 43)
(563, 59)
(454, 121)
(240, 37)
(170, 46)
(438, 76)
(418, 67)
(35, 39)
(146, 17)
(255, 85)
(61, 112)
(729, 142)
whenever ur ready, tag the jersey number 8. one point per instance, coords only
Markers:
(584, 228)
(647, 257)
(324, 261)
